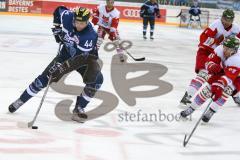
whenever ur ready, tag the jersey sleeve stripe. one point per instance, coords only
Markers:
(84, 49)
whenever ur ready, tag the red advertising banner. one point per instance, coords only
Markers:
(24, 6)
(47, 7)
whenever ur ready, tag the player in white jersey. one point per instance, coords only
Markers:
(211, 37)
(223, 72)
(107, 19)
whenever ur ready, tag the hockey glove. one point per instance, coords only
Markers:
(57, 32)
(213, 68)
(217, 89)
(112, 36)
(219, 40)
(142, 14)
(58, 70)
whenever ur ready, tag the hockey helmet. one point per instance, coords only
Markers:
(228, 14)
(232, 43)
(82, 14)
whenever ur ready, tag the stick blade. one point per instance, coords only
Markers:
(141, 59)
(30, 124)
(184, 141)
(22, 125)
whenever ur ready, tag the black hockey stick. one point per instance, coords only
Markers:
(30, 124)
(113, 46)
(186, 139)
(135, 59)
(179, 15)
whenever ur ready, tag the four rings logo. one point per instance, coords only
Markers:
(131, 13)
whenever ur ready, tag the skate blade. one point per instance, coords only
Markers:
(78, 119)
(184, 119)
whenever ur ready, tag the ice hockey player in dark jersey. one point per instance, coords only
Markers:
(149, 11)
(78, 51)
(195, 12)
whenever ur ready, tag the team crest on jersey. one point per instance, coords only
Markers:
(105, 19)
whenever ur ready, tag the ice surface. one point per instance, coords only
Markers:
(27, 46)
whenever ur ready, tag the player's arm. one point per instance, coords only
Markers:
(57, 29)
(95, 16)
(60, 69)
(66, 35)
(199, 10)
(232, 76)
(207, 38)
(238, 35)
(57, 15)
(232, 73)
(142, 10)
(113, 29)
(62, 21)
(157, 11)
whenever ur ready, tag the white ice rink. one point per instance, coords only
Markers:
(27, 46)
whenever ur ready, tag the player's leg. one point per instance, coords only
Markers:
(152, 27)
(197, 82)
(116, 42)
(93, 79)
(236, 97)
(118, 48)
(199, 21)
(190, 21)
(236, 93)
(214, 107)
(101, 34)
(203, 96)
(197, 101)
(37, 85)
(145, 25)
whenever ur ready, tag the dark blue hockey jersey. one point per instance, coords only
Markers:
(149, 9)
(76, 43)
(195, 10)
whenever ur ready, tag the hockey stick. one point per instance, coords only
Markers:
(30, 124)
(179, 15)
(106, 48)
(135, 59)
(186, 139)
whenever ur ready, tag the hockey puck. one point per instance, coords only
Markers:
(34, 127)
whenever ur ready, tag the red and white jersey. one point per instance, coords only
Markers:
(214, 35)
(105, 18)
(230, 65)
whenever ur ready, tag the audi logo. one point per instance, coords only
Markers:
(131, 13)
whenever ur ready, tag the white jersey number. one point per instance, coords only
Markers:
(88, 44)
